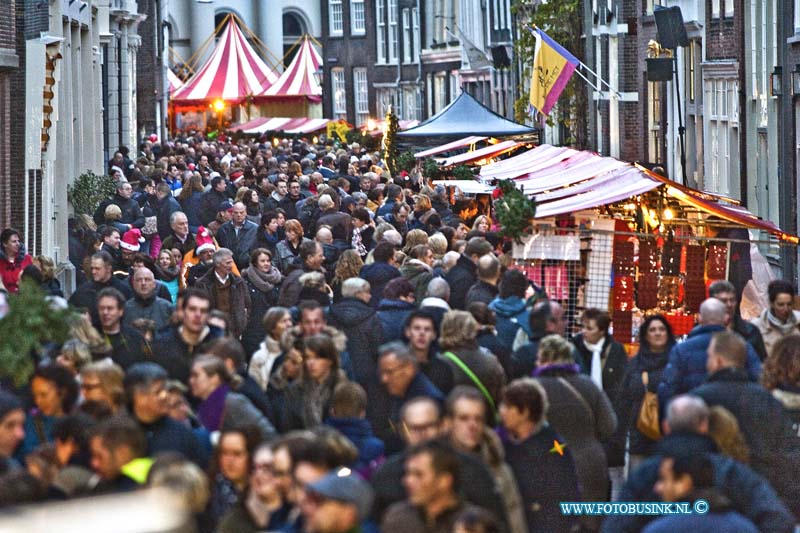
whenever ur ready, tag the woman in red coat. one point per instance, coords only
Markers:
(13, 259)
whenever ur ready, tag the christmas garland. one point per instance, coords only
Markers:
(514, 211)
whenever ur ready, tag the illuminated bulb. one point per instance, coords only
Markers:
(371, 125)
(275, 141)
(668, 214)
(315, 139)
(629, 207)
(219, 105)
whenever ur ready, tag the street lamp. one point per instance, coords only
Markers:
(775, 80)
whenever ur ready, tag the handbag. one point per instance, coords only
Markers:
(150, 226)
(647, 421)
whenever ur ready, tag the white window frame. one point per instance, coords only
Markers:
(730, 8)
(335, 17)
(796, 17)
(410, 108)
(361, 90)
(380, 30)
(654, 148)
(715, 9)
(394, 37)
(406, 35)
(339, 87)
(358, 17)
(417, 42)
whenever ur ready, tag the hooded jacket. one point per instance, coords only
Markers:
(11, 271)
(362, 327)
(512, 314)
(393, 315)
(419, 275)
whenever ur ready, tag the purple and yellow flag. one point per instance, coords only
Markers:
(553, 66)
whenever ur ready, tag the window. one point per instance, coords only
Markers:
(415, 31)
(654, 121)
(440, 93)
(335, 13)
(380, 29)
(410, 106)
(361, 89)
(796, 16)
(715, 9)
(406, 35)
(393, 32)
(691, 70)
(339, 93)
(729, 8)
(384, 99)
(357, 23)
(722, 134)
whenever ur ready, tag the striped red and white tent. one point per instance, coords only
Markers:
(175, 82)
(232, 73)
(298, 79)
(293, 126)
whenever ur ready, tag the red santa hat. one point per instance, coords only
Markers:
(204, 240)
(132, 240)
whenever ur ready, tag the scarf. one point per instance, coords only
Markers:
(358, 243)
(786, 329)
(212, 410)
(556, 368)
(166, 274)
(597, 363)
(263, 281)
(272, 240)
(315, 400)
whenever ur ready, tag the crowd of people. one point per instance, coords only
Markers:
(293, 339)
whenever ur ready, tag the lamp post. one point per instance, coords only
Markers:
(775, 81)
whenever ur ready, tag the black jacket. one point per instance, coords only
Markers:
(209, 205)
(131, 212)
(174, 355)
(360, 323)
(168, 435)
(461, 277)
(127, 347)
(750, 494)
(764, 425)
(86, 295)
(477, 486)
(481, 292)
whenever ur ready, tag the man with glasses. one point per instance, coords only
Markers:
(146, 389)
(421, 421)
(725, 292)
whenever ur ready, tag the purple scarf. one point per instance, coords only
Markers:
(212, 409)
(565, 368)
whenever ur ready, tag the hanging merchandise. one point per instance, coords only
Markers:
(717, 265)
(556, 282)
(671, 259)
(647, 291)
(648, 256)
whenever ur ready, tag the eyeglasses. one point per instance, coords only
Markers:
(390, 371)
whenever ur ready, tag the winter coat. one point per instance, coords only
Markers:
(613, 358)
(174, 355)
(240, 411)
(339, 223)
(403, 517)
(494, 456)
(152, 308)
(131, 212)
(263, 360)
(487, 339)
(419, 275)
(164, 209)
(297, 414)
(790, 399)
(750, 494)
(461, 277)
(239, 299)
(128, 347)
(11, 271)
(378, 274)
(239, 520)
(209, 205)
(360, 323)
(285, 255)
(359, 432)
(260, 303)
(174, 242)
(764, 425)
(628, 402)
(719, 517)
(339, 340)
(483, 364)
(686, 368)
(291, 289)
(585, 422)
(393, 315)
(481, 292)
(192, 208)
(168, 435)
(751, 334)
(477, 485)
(512, 315)
(771, 334)
(551, 481)
(240, 244)
(85, 295)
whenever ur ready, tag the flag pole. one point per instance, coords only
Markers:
(532, 28)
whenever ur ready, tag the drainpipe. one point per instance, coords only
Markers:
(417, 82)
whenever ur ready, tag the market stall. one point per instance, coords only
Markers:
(297, 92)
(618, 237)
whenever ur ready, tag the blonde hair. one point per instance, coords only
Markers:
(422, 203)
(77, 352)
(479, 219)
(110, 376)
(415, 237)
(47, 266)
(113, 212)
(213, 365)
(459, 329)
(554, 349)
(348, 266)
(438, 243)
(723, 428)
(241, 193)
(81, 329)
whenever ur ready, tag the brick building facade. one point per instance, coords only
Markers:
(9, 68)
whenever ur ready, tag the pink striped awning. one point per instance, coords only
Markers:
(175, 82)
(455, 145)
(291, 126)
(493, 150)
(232, 73)
(299, 77)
